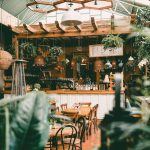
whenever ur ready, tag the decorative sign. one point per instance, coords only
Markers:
(99, 51)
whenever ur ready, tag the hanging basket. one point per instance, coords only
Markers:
(5, 60)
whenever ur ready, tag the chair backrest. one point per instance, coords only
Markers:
(63, 106)
(85, 103)
(60, 136)
(95, 110)
(81, 124)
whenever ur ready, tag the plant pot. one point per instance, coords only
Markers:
(5, 60)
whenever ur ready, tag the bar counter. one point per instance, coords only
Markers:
(105, 99)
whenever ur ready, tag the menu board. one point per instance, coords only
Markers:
(99, 51)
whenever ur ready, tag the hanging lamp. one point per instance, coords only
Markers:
(71, 17)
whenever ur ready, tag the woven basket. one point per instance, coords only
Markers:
(5, 60)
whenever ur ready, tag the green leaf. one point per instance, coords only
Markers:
(29, 127)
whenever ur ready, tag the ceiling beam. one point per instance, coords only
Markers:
(101, 31)
(28, 28)
(58, 26)
(43, 27)
(78, 28)
(15, 30)
(93, 24)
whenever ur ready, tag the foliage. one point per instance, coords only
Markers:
(29, 126)
(27, 50)
(112, 41)
(142, 43)
(55, 51)
(135, 135)
(11, 50)
(141, 34)
(143, 17)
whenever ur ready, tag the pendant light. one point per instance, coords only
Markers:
(71, 17)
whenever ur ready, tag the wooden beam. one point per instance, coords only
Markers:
(78, 28)
(101, 31)
(95, 8)
(28, 28)
(43, 27)
(93, 24)
(112, 22)
(15, 30)
(58, 26)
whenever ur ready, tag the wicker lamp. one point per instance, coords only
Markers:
(99, 65)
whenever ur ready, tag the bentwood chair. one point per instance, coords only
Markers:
(63, 106)
(58, 141)
(81, 125)
(94, 117)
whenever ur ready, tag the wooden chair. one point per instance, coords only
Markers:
(85, 104)
(63, 106)
(80, 124)
(58, 141)
(94, 117)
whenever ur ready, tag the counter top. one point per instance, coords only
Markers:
(80, 92)
(74, 91)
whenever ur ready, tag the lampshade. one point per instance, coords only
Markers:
(71, 18)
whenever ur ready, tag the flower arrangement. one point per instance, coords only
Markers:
(112, 41)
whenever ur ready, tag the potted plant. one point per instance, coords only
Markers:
(112, 41)
(55, 51)
(27, 50)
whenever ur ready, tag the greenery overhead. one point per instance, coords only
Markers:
(27, 50)
(112, 41)
(143, 17)
(141, 34)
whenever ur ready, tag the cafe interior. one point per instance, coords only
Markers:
(74, 75)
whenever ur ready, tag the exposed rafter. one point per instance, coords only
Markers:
(43, 27)
(117, 30)
(93, 24)
(28, 28)
(78, 28)
(58, 26)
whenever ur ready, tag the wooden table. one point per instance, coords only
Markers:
(82, 111)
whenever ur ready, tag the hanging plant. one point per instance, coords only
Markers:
(27, 50)
(112, 41)
(55, 51)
